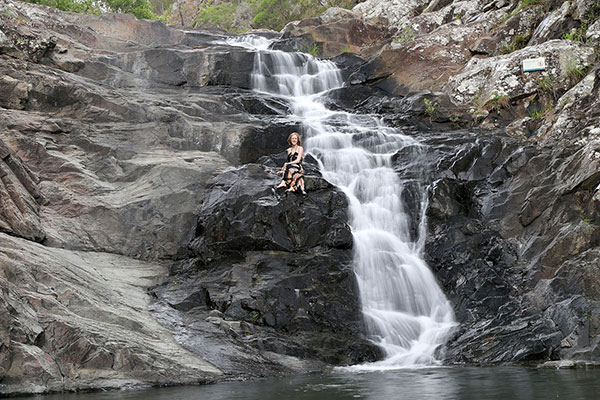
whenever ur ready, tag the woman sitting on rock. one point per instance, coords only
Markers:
(293, 173)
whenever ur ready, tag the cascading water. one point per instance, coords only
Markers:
(405, 311)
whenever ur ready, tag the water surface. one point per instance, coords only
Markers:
(428, 383)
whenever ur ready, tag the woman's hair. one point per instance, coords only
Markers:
(294, 134)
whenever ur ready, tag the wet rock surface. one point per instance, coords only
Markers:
(513, 238)
(273, 269)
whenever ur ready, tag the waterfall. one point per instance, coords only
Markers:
(405, 311)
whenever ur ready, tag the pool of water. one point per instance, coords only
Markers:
(415, 384)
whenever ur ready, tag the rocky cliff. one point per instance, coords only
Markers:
(141, 242)
(514, 181)
(110, 131)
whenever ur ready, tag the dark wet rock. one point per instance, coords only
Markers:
(277, 267)
(506, 223)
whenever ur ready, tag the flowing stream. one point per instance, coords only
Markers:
(405, 311)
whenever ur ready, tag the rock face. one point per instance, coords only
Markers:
(512, 216)
(484, 81)
(273, 270)
(521, 224)
(21, 198)
(81, 320)
(141, 242)
(335, 32)
(110, 129)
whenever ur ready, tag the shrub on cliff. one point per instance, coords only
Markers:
(239, 16)
(139, 8)
(85, 6)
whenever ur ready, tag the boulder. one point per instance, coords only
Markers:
(396, 12)
(593, 33)
(333, 33)
(510, 35)
(511, 275)
(278, 264)
(554, 25)
(424, 62)
(574, 119)
(490, 79)
(80, 321)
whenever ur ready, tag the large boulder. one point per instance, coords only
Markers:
(274, 269)
(335, 32)
(396, 12)
(513, 236)
(575, 117)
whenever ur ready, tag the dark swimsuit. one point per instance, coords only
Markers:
(293, 172)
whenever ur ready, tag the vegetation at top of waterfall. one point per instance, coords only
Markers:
(153, 9)
(241, 15)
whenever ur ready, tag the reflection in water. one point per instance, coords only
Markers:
(415, 384)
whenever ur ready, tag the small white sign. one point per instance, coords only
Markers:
(534, 64)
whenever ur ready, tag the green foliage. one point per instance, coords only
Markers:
(526, 3)
(274, 14)
(346, 49)
(162, 7)
(406, 35)
(546, 84)
(518, 42)
(139, 8)
(269, 14)
(456, 121)
(312, 49)
(497, 102)
(575, 73)
(220, 15)
(85, 6)
(430, 107)
(538, 114)
(579, 34)
(576, 35)
(347, 4)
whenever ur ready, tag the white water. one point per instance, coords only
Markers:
(405, 311)
(252, 42)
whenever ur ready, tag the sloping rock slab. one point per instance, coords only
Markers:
(77, 321)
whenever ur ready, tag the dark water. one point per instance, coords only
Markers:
(504, 383)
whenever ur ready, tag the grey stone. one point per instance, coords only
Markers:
(4, 41)
(593, 33)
